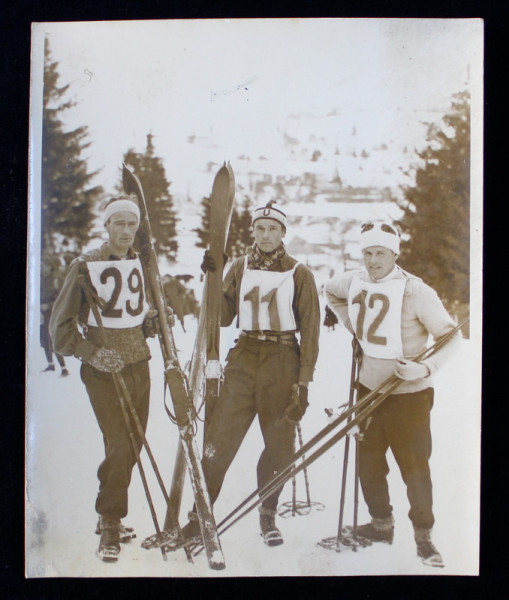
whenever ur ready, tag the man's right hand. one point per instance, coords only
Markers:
(106, 360)
(208, 263)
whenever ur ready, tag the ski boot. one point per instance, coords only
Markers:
(191, 532)
(109, 544)
(379, 530)
(425, 549)
(170, 539)
(268, 530)
(126, 534)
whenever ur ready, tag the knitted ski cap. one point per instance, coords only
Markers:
(269, 211)
(379, 234)
(122, 203)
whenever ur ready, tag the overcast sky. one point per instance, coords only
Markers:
(237, 82)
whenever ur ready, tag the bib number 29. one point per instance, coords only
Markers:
(135, 286)
(379, 317)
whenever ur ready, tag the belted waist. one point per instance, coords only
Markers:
(283, 337)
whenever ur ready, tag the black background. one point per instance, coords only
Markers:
(15, 21)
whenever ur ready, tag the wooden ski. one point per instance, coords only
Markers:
(206, 347)
(175, 379)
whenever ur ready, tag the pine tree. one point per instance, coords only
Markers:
(67, 200)
(203, 232)
(242, 232)
(436, 208)
(152, 175)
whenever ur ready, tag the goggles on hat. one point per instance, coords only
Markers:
(383, 226)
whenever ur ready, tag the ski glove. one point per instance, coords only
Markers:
(106, 360)
(409, 370)
(152, 326)
(208, 263)
(298, 403)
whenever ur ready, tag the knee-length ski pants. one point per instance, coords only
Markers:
(115, 471)
(257, 381)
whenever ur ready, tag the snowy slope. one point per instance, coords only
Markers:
(65, 449)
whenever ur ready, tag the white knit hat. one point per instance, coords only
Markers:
(124, 203)
(379, 234)
(269, 211)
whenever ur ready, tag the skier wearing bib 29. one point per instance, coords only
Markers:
(114, 276)
(392, 313)
(268, 370)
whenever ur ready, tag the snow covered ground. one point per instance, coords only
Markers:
(64, 449)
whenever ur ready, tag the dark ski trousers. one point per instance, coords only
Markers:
(46, 342)
(115, 471)
(401, 423)
(257, 381)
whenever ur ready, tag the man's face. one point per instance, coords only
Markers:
(122, 228)
(379, 261)
(268, 234)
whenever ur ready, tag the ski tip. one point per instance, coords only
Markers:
(128, 179)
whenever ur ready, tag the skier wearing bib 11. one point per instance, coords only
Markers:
(392, 313)
(114, 276)
(268, 370)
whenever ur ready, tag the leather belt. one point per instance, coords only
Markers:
(270, 336)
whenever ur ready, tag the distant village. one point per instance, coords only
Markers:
(324, 209)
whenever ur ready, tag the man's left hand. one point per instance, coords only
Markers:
(152, 325)
(408, 370)
(298, 403)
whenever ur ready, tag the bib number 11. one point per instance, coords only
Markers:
(253, 296)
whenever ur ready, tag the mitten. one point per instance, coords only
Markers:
(298, 403)
(107, 360)
(152, 326)
(409, 370)
(209, 264)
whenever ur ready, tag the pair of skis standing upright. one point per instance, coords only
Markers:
(185, 395)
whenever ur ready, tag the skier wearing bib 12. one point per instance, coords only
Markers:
(267, 371)
(392, 313)
(115, 277)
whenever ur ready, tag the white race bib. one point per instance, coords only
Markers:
(266, 301)
(120, 284)
(374, 310)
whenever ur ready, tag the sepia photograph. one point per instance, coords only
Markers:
(254, 298)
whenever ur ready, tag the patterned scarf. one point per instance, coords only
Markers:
(259, 260)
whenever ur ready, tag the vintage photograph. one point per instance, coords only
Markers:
(254, 298)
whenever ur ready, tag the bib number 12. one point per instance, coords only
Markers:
(384, 307)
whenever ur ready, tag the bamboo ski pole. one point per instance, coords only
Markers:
(353, 381)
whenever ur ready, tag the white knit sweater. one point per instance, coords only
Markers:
(422, 315)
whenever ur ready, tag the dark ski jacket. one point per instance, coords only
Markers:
(71, 309)
(305, 307)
